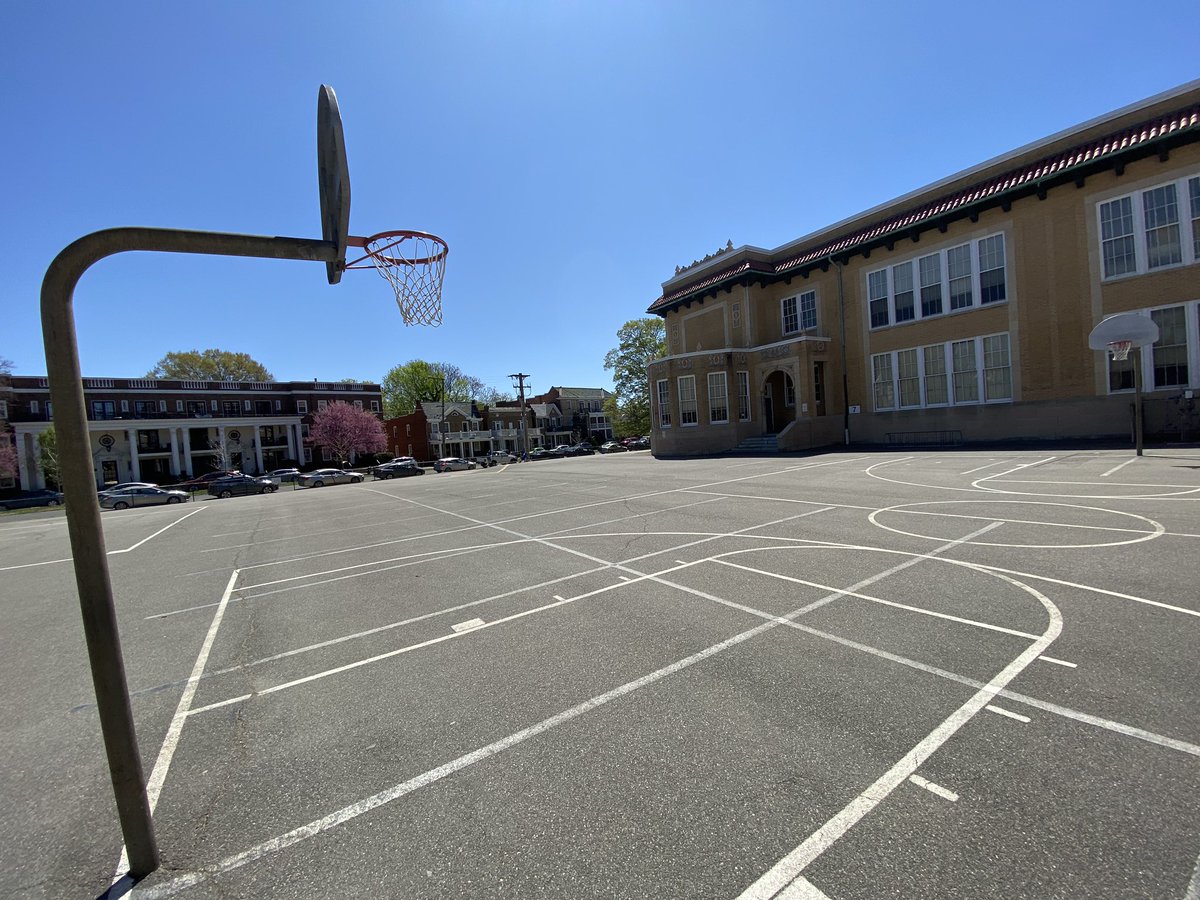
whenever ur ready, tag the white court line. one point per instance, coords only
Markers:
(1001, 711)
(1015, 469)
(803, 889)
(860, 596)
(165, 754)
(981, 468)
(934, 788)
(535, 515)
(1185, 488)
(787, 869)
(560, 601)
(1193, 888)
(1058, 662)
(48, 562)
(339, 817)
(157, 533)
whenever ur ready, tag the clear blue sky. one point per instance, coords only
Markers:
(571, 153)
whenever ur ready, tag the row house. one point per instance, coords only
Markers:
(435, 430)
(579, 414)
(164, 431)
(958, 313)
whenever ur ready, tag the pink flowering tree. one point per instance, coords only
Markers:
(346, 430)
(8, 458)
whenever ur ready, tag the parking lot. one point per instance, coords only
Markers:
(843, 675)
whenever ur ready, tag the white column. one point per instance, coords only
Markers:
(291, 439)
(29, 463)
(185, 437)
(258, 450)
(173, 437)
(135, 467)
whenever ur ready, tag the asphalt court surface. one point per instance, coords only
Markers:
(844, 675)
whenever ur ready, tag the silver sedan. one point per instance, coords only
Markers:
(322, 477)
(140, 495)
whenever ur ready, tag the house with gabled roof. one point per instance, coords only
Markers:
(957, 313)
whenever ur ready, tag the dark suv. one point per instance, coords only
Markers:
(237, 485)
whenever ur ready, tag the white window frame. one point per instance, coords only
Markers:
(178, 406)
(663, 388)
(744, 412)
(881, 282)
(1187, 221)
(718, 398)
(790, 315)
(687, 401)
(3, 409)
(321, 404)
(887, 391)
(798, 313)
(302, 407)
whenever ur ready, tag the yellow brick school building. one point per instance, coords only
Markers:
(959, 313)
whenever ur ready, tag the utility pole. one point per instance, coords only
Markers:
(521, 376)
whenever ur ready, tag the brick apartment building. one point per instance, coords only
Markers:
(959, 312)
(163, 431)
(464, 429)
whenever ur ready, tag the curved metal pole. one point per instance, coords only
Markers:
(83, 507)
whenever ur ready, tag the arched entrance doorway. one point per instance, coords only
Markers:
(778, 402)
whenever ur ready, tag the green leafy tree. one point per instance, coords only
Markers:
(418, 381)
(48, 455)
(210, 365)
(641, 342)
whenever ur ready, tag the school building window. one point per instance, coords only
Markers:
(718, 398)
(743, 379)
(664, 403)
(967, 276)
(977, 370)
(687, 400)
(800, 312)
(1151, 229)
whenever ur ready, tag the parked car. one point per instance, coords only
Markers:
(397, 470)
(240, 485)
(281, 476)
(501, 457)
(128, 484)
(30, 499)
(562, 450)
(638, 444)
(541, 453)
(453, 464)
(401, 459)
(200, 482)
(612, 447)
(140, 495)
(580, 450)
(322, 477)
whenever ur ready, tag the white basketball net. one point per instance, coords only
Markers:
(1119, 350)
(414, 264)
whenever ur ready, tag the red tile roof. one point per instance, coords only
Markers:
(1025, 177)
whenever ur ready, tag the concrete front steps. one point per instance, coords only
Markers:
(763, 443)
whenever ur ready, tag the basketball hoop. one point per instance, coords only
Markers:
(414, 264)
(1119, 350)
